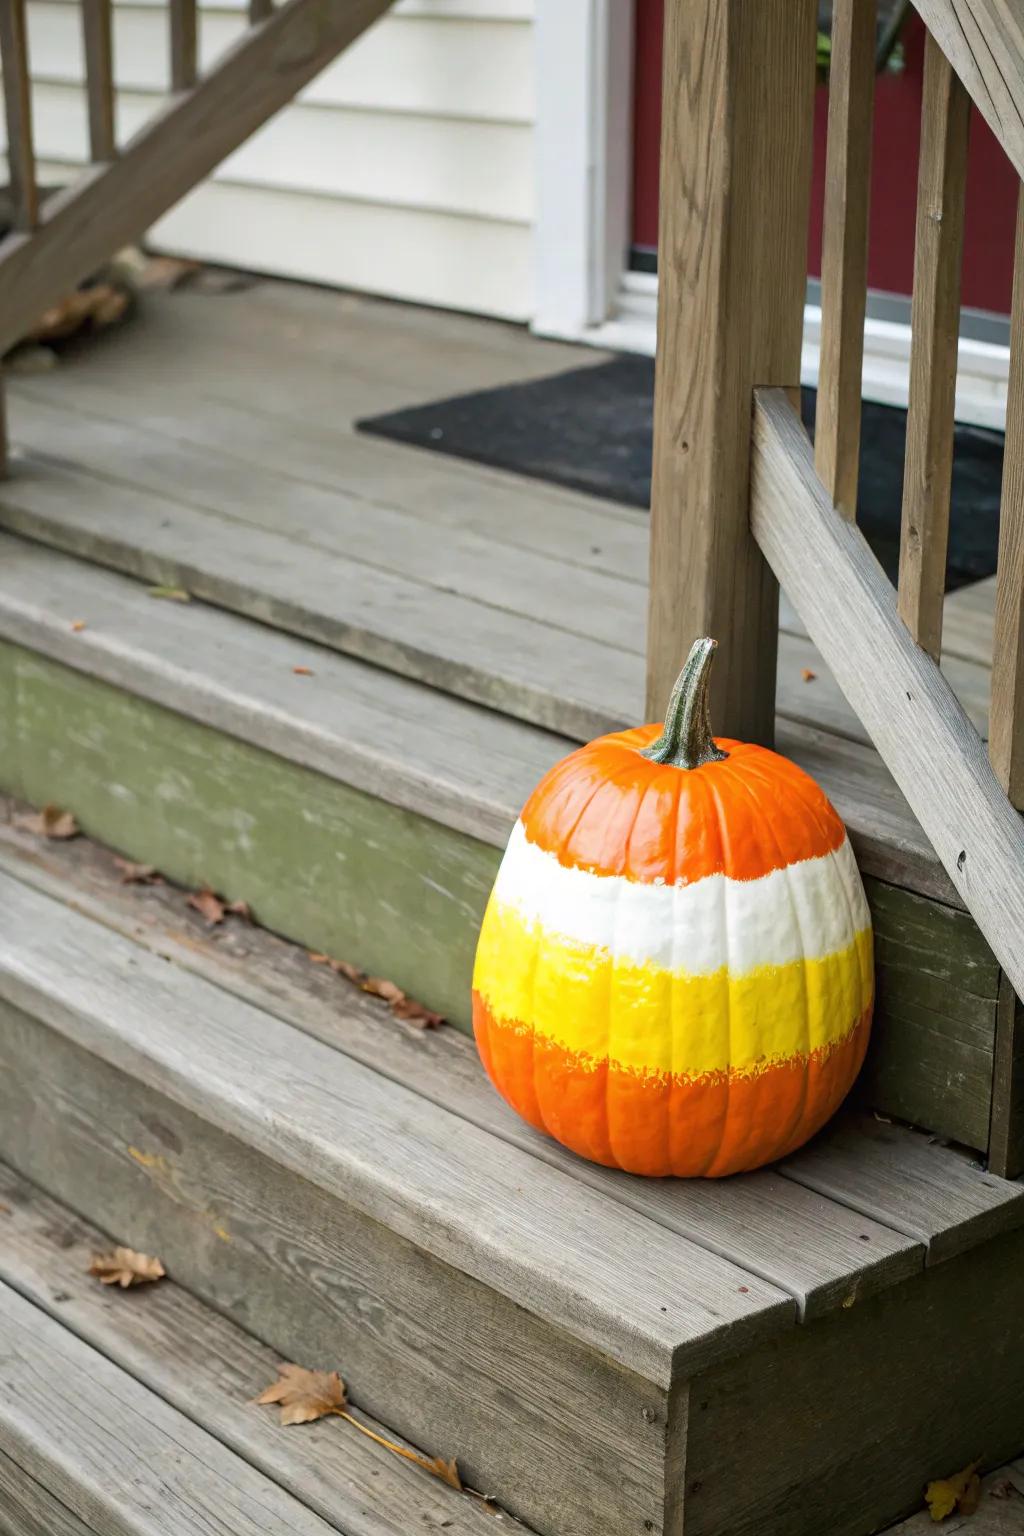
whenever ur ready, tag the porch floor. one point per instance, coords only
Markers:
(210, 443)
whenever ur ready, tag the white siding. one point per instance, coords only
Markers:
(406, 168)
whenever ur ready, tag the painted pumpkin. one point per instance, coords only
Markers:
(674, 973)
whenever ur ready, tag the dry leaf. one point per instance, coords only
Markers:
(340, 967)
(807, 675)
(208, 904)
(402, 1006)
(125, 1267)
(137, 874)
(303, 671)
(412, 1012)
(1003, 1489)
(170, 594)
(51, 822)
(240, 909)
(961, 1491)
(78, 625)
(378, 987)
(305, 1395)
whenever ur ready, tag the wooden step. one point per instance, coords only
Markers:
(363, 814)
(166, 1351)
(352, 1193)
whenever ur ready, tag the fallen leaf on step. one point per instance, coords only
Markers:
(125, 1267)
(51, 822)
(807, 675)
(240, 909)
(78, 625)
(415, 1013)
(208, 904)
(340, 967)
(137, 874)
(961, 1491)
(170, 594)
(305, 1395)
(378, 987)
(1003, 1489)
(303, 671)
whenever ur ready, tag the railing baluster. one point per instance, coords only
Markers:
(21, 164)
(935, 322)
(1006, 712)
(183, 44)
(259, 10)
(844, 257)
(97, 34)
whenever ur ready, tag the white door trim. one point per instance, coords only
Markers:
(584, 139)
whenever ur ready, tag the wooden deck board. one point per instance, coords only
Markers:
(209, 1369)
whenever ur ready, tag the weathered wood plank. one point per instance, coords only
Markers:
(1006, 716)
(106, 209)
(936, 1195)
(523, 1228)
(182, 18)
(935, 328)
(116, 1455)
(207, 1368)
(844, 254)
(984, 42)
(934, 753)
(1006, 1137)
(21, 163)
(819, 1252)
(856, 1414)
(29, 1509)
(735, 180)
(557, 1433)
(97, 29)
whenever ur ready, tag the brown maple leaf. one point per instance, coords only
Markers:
(339, 967)
(137, 874)
(125, 1267)
(208, 904)
(305, 1395)
(51, 822)
(379, 987)
(415, 1013)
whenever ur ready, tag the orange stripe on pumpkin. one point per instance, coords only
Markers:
(606, 809)
(664, 1125)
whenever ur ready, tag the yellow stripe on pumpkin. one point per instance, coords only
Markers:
(601, 1008)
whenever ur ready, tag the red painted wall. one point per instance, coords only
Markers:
(991, 182)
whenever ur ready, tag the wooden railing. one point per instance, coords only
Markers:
(59, 241)
(741, 499)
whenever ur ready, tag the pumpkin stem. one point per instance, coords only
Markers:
(686, 741)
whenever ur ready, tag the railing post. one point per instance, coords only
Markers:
(735, 183)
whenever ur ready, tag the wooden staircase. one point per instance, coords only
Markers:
(778, 1354)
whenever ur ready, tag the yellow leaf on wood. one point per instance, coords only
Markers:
(960, 1491)
(305, 1395)
(125, 1267)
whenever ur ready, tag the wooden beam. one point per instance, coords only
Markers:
(114, 203)
(1006, 712)
(17, 91)
(844, 256)
(97, 36)
(984, 42)
(935, 327)
(735, 177)
(927, 742)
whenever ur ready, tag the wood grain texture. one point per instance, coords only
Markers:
(112, 205)
(844, 253)
(939, 1196)
(1006, 1137)
(210, 1370)
(735, 178)
(29, 1509)
(113, 1453)
(984, 42)
(97, 29)
(1006, 718)
(920, 730)
(557, 1433)
(521, 1227)
(838, 1427)
(817, 1251)
(181, 15)
(935, 328)
(21, 165)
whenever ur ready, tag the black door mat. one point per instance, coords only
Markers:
(590, 430)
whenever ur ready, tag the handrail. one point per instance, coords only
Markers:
(984, 42)
(926, 740)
